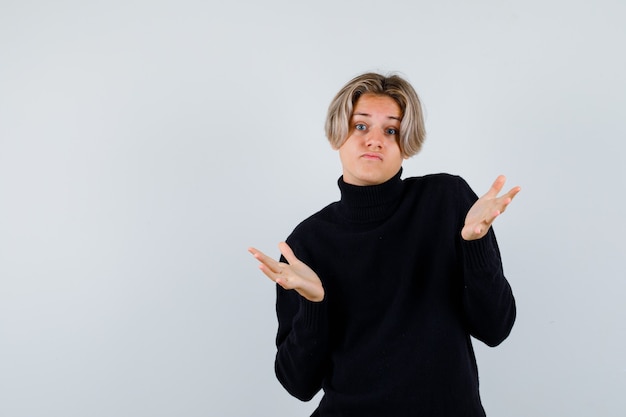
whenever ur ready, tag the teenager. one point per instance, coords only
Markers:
(379, 293)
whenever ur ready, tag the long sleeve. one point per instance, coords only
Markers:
(488, 302)
(302, 342)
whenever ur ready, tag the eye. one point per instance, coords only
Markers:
(392, 131)
(360, 126)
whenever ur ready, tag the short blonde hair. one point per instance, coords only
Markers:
(412, 130)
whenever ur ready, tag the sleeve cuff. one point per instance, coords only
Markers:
(312, 315)
(480, 253)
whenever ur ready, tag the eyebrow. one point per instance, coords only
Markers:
(369, 115)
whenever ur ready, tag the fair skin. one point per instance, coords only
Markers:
(371, 156)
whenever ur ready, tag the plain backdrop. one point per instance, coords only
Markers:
(144, 145)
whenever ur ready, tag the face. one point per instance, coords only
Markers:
(371, 154)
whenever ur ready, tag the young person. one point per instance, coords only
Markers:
(379, 292)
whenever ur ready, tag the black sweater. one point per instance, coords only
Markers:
(403, 294)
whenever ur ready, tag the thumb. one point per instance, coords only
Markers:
(285, 249)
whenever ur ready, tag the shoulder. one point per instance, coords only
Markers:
(314, 222)
(309, 233)
(441, 190)
(441, 182)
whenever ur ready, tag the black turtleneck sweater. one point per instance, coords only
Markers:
(403, 294)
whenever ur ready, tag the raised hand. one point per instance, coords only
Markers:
(483, 213)
(295, 275)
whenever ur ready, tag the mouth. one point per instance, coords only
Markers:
(372, 156)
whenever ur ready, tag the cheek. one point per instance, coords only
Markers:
(342, 155)
(348, 145)
(396, 150)
(398, 157)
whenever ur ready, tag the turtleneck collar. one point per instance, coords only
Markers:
(370, 203)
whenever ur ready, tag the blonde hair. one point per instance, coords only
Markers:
(412, 130)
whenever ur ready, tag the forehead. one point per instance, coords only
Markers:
(371, 105)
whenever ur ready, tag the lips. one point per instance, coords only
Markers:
(372, 156)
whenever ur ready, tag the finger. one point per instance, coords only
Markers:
(506, 199)
(253, 251)
(277, 277)
(497, 185)
(513, 192)
(287, 252)
(271, 264)
(267, 272)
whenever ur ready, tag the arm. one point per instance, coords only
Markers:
(488, 302)
(302, 338)
(302, 341)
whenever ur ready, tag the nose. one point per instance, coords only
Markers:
(375, 139)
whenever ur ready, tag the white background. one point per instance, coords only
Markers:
(144, 145)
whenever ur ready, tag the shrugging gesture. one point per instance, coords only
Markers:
(485, 210)
(295, 275)
(403, 296)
